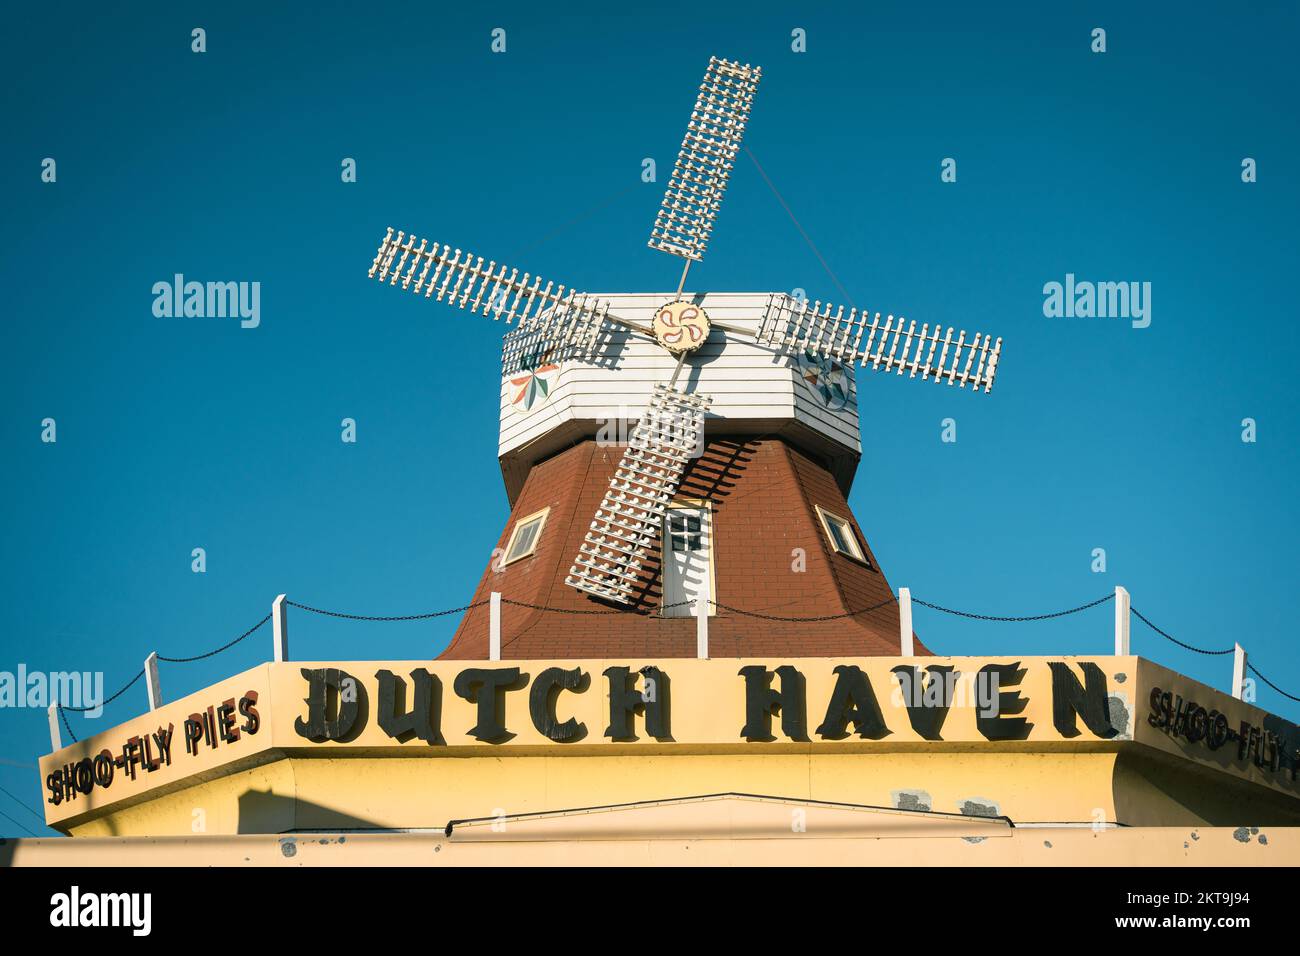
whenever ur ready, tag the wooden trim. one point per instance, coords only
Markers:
(859, 555)
(707, 505)
(506, 560)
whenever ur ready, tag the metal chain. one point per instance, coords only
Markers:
(824, 617)
(755, 614)
(63, 708)
(1031, 617)
(1270, 683)
(385, 617)
(1199, 650)
(125, 687)
(565, 610)
(223, 647)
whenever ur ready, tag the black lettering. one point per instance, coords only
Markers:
(328, 686)
(252, 719)
(131, 756)
(163, 738)
(541, 703)
(226, 728)
(193, 730)
(1155, 718)
(925, 716)
(487, 688)
(1089, 700)
(853, 701)
(995, 719)
(85, 775)
(625, 701)
(1217, 733)
(104, 768)
(761, 702)
(395, 720)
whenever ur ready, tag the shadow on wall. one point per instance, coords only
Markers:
(710, 477)
(262, 811)
(1157, 787)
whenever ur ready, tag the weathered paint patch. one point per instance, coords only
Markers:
(1121, 677)
(1263, 840)
(1195, 835)
(981, 807)
(974, 839)
(911, 800)
(1047, 843)
(1121, 716)
(1241, 834)
(289, 848)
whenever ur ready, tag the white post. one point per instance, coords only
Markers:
(56, 739)
(494, 627)
(702, 623)
(279, 629)
(905, 647)
(1238, 671)
(151, 680)
(1122, 621)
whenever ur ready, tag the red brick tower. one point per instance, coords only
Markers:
(760, 517)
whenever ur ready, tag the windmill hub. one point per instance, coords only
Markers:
(681, 327)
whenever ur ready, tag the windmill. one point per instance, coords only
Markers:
(628, 521)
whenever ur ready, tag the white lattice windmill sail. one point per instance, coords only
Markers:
(706, 159)
(861, 338)
(461, 279)
(628, 522)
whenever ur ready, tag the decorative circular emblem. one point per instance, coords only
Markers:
(532, 385)
(681, 327)
(826, 378)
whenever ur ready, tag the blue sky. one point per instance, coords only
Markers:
(178, 433)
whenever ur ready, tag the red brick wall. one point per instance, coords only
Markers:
(763, 493)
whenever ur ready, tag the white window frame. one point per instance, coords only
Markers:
(705, 505)
(846, 526)
(538, 517)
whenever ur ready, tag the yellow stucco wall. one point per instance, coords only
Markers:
(277, 781)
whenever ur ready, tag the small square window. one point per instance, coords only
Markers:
(840, 533)
(523, 540)
(684, 532)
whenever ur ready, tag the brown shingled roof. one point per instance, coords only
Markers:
(763, 493)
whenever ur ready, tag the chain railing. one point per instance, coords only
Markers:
(903, 599)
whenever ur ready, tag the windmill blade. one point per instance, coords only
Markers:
(862, 338)
(461, 279)
(704, 163)
(630, 517)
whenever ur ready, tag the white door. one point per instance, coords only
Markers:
(687, 546)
